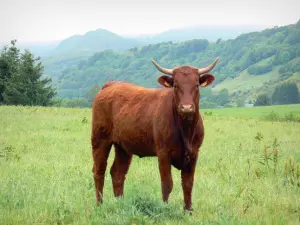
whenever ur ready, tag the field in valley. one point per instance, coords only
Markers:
(272, 112)
(247, 173)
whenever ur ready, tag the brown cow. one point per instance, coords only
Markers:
(140, 121)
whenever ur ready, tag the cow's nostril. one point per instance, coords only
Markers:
(187, 108)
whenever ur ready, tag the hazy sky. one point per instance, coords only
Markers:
(46, 20)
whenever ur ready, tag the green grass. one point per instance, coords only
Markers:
(46, 177)
(256, 112)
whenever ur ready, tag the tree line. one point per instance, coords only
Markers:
(286, 93)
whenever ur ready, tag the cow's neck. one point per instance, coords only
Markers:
(187, 131)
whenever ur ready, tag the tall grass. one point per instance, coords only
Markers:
(248, 173)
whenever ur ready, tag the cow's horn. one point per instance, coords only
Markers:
(163, 70)
(209, 68)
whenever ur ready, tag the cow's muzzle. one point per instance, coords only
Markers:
(186, 110)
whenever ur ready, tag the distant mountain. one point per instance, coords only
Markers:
(101, 39)
(94, 41)
(211, 33)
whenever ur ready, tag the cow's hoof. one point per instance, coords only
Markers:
(99, 202)
(188, 211)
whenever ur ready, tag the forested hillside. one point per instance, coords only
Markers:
(264, 58)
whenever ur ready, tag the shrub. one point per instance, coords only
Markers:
(272, 116)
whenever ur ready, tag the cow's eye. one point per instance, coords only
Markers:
(175, 86)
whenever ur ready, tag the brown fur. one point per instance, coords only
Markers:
(148, 122)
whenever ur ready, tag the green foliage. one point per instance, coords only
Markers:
(240, 102)
(286, 93)
(209, 100)
(206, 93)
(256, 52)
(92, 92)
(20, 79)
(9, 60)
(207, 105)
(259, 69)
(293, 36)
(272, 116)
(291, 67)
(291, 117)
(262, 100)
(208, 113)
(229, 105)
(223, 97)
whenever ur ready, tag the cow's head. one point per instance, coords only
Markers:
(185, 81)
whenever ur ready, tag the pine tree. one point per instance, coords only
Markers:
(23, 80)
(9, 62)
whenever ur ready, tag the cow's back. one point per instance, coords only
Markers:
(125, 113)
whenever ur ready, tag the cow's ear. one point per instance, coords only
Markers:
(206, 80)
(166, 81)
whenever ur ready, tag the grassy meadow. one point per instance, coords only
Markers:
(272, 112)
(247, 173)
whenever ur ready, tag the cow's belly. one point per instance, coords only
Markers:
(137, 148)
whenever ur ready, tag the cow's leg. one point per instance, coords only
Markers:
(119, 169)
(165, 176)
(187, 181)
(101, 149)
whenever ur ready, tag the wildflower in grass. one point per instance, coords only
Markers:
(286, 168)
(266, 155)
(292, 164)
(266, 152)
(275, 156)
(298, 170)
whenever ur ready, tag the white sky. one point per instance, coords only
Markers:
(47, 20)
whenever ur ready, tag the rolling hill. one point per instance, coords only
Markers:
(250, 64)
(93, 41)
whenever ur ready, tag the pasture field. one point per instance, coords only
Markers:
(247, 173)
(260, 112)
